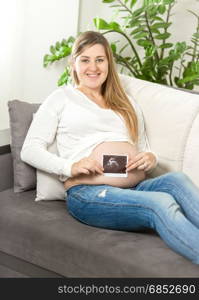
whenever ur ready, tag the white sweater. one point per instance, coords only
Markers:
(79, 125)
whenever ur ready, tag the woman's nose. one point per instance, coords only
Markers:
(93, 65)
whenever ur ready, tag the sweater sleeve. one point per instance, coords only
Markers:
(42, 133)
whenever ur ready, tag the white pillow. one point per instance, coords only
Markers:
(49, 187)
(169, 116)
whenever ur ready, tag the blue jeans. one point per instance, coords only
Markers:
(169, 204)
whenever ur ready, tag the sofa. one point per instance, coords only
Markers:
(40, 238)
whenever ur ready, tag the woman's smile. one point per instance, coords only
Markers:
(93, 76)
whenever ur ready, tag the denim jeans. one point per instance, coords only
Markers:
(169, 204)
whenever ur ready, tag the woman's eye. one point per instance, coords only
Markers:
(100, 60)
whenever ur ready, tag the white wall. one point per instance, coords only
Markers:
(27, 29)
(184, 23)
(10, 38)
(48, 21)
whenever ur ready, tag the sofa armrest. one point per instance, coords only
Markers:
(6, 168)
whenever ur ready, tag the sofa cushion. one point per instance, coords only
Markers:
(49, 187)
(169, 115)
(25, 176)
(43, 233)
(20, 114)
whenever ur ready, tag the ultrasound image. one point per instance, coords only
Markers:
(115, 164)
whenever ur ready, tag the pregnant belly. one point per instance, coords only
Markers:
(110, 148)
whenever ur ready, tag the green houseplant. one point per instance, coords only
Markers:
(145, 28)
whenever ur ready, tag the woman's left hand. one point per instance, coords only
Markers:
(142, 161)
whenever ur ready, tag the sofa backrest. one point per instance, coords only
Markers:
(172, 124)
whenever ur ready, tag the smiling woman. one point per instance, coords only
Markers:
(95, 119)
(92, 68)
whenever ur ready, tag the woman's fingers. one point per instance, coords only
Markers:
(99, 170)
(83, 171)
(94, 166)
(143, 166)
(86, 166)
(135, 164)
(141, 162)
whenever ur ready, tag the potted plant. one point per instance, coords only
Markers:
(145, 28)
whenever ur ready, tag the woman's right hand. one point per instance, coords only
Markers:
(86, 166)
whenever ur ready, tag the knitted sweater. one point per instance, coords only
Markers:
(78, 125)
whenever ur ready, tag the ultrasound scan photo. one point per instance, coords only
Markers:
(115, 165)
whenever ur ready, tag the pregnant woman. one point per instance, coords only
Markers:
(95, 117)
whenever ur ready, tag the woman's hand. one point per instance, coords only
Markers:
(86, 166)
(142, 161)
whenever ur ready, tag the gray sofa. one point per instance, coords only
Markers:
(40, 239)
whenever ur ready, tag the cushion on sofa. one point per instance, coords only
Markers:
(20, 115)
(26, 177)
(159, 104)
(49, 187)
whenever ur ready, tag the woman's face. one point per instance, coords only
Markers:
(91, 67)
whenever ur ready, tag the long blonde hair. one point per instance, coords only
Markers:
(112, 90)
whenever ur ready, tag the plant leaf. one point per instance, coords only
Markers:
(64, 42)
(155, 31)
(166, 45)
(140, 28)
(189, 78)
(133, 2)
(48, 59)
(45, 60)
(114, 26)
(65, 77)
(138, 12)
(134, 22)
(70, 40)
(162, 36)
(57, 45)
(144, 43)
(156, 18)
(101, 24)
(168, 1)
(108, 1)
(140, 35)
(114, 47)
(52, 49)
(161, 25)
(162, 9)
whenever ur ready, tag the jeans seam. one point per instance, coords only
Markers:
(142, 206)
